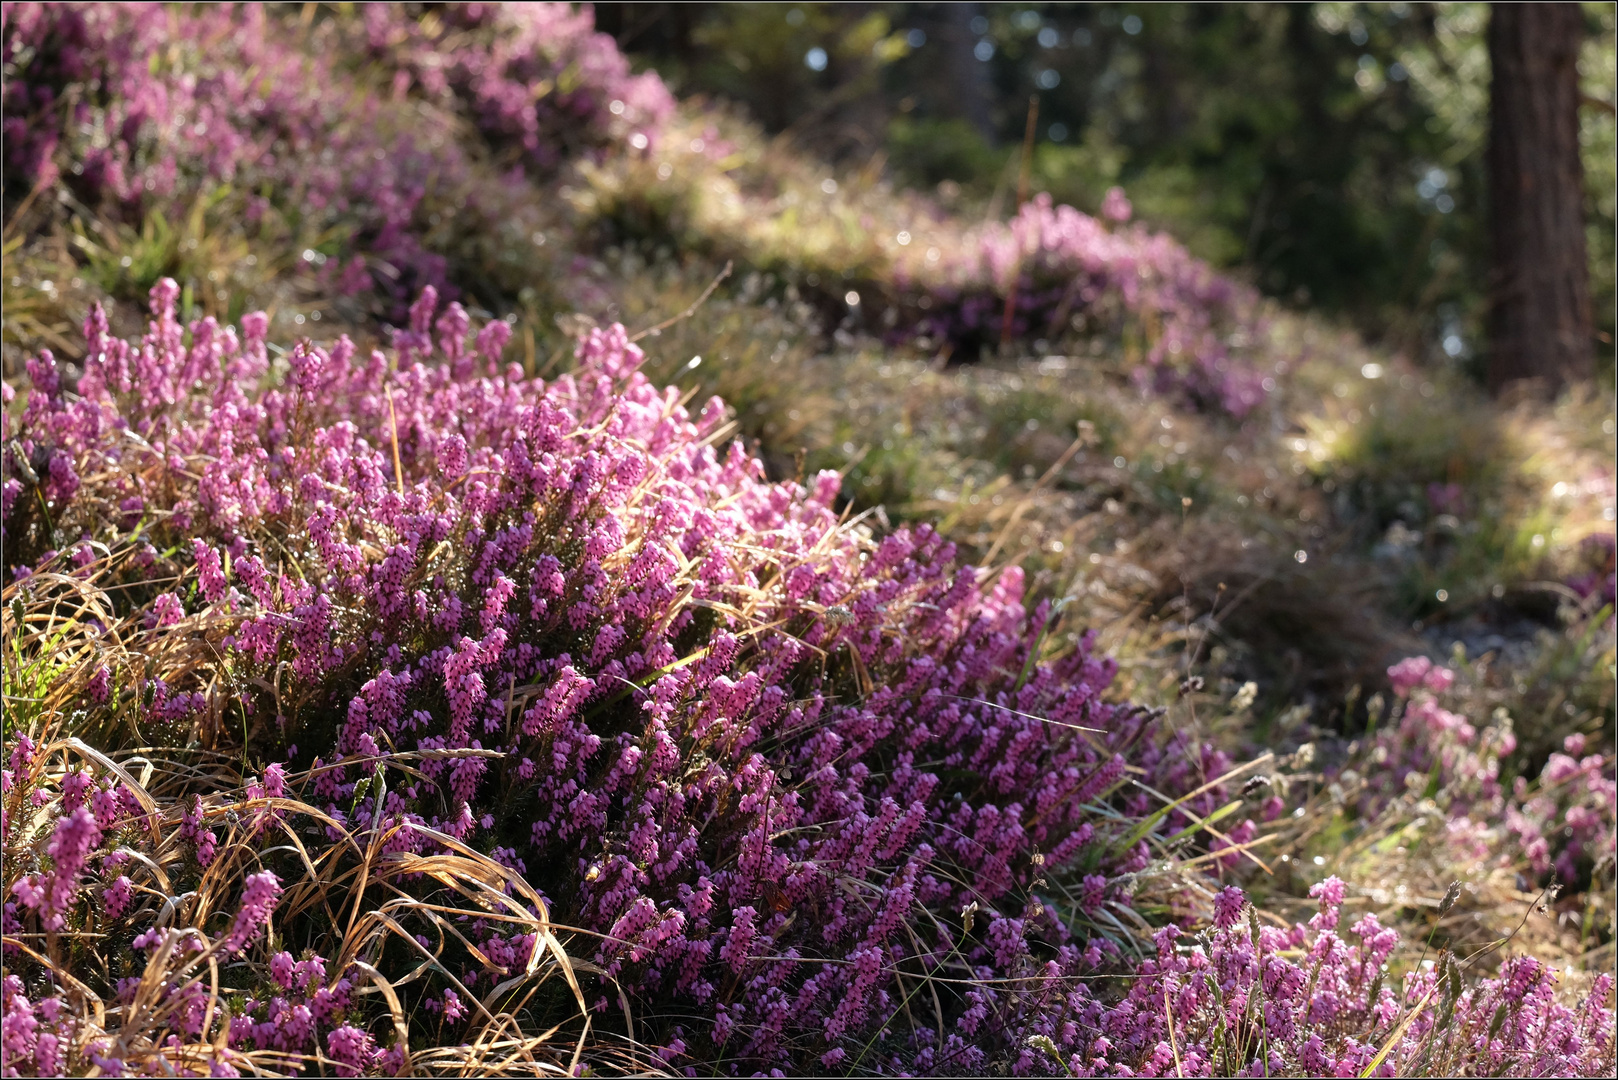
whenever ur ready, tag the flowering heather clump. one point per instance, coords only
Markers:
(298, 117)
(144, 999)
(1245, 999)
(537, 75)
(764, 759)
(1060, 262)
(141, 105)
(1565, 819)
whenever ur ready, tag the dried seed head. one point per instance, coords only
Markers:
(1552, 891)
(1045, 1045)
(1452, 894)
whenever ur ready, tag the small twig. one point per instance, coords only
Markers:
(690, 311)
(22, 208)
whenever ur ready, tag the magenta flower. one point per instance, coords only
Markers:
(260, 893)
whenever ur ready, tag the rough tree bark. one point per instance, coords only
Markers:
(1539, 325)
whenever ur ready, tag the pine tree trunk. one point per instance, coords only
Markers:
(971, 75)
(1540, 304)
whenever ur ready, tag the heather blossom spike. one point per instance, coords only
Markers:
(259, 897)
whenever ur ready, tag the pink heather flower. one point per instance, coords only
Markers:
(452, 456)
(166, 610)
(353, 1050)
(275, 780)
(54, 894)
(1438, 679)
(75, 786)
(491, 341)
(192, 828)
(1228, 904)
(210, 572)
(281, 969)
(259, 897)
(390, 1062)
(1408, 673)
(1330, 893)
(1116, 206)
(454, 1008)
(100, 687)
(1092, 891)
(22, 757)
(115, 898)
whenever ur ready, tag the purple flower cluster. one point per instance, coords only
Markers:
(1247, 999)
(259, 896)
(300, 1003)
(1058, 262)
(1564, 819)
(87, 827)
(143, 105)
(765, 758)
(34, 1036)
(53, 894)
(536, 76)
(304, 998)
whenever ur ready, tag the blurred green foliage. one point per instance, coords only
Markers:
(1333, 150)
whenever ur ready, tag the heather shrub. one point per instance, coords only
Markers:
(534, 77)
(760, 761)
(768, 775)
(1241, 998)
(921, 278)
(1553, 817)
(339, 148)
(350, 137)
(1063, 266)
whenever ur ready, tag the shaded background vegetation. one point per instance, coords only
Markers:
(1333, 151)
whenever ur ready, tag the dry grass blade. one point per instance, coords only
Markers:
(689, 311)
(395, 1010)
(1398, 1033)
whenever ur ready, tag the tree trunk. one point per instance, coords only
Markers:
(1540, 297)
(971, 75)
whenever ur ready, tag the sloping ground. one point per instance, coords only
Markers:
(1255, 515)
